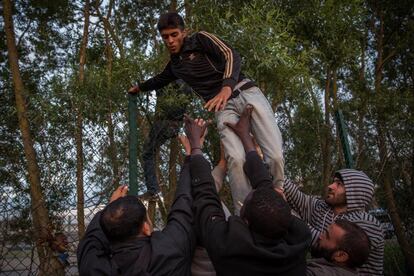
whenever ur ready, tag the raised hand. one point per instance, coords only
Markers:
(194, 129)
(121, 191)
(242, 128)
(186, 143)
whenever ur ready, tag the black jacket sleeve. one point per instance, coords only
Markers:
(207, 206)
(220, 51)
(179, 227)
(256, 171)
(93, 250)
(159, 81)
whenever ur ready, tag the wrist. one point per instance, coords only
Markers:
(195, 151)
(196, 145)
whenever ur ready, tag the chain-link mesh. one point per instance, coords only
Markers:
(105, 166)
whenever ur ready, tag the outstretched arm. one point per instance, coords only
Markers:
(155, 83)
(206, 206)
(94, 248)
(179, 223)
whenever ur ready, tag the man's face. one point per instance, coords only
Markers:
(328, 242)
(173, 39)
(335, 194)
(61, 243)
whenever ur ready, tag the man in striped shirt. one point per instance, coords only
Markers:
(213, 70)
(346, 198)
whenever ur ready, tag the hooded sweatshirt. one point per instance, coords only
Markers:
(234, 248)
(359, 190)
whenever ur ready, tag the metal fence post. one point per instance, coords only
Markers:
(133, 143)
(343, 134)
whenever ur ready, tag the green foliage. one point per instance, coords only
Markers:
(287, 47)
(393, 259)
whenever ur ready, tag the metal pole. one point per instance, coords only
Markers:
(133, 144)
(343, 134)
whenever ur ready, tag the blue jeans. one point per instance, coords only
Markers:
(266, 133)
(160, 132)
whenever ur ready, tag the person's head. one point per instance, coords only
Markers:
(59, 242)
(335, 192)
(125, 218)
(266, 213)
(171, 27)
(358, 189)
(343, 243)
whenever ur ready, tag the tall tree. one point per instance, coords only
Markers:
(79, 126)
(39, 212)
(384, 54)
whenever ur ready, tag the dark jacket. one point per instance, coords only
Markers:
(233, 248)
(359, 190)
(171, 249)
(205, 63)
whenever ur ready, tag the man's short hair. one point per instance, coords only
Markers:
(355, 242)
(267, 213)
(123, 218)
(170, 20)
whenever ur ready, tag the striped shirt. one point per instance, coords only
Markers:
(319, 215)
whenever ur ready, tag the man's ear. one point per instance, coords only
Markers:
(340, 257)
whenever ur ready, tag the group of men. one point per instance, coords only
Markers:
(263, 237)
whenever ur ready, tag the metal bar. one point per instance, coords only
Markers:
(343, 134)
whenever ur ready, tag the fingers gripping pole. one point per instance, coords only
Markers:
(133, 144)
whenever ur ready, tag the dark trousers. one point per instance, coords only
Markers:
(160, 132)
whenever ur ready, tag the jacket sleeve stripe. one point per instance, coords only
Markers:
(228, 54)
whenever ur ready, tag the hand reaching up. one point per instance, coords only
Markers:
(242, 128)
(186, 143)
(194, 129)
(121, 191)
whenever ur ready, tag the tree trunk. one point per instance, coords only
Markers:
(111, 133)
(338, 149)
(40, 216)
(360, 156)
(79, 127)
(326, 137)
(383, 151)
(188, 10)
(107, 26)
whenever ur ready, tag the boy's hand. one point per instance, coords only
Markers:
(134, 89)
(220, 100)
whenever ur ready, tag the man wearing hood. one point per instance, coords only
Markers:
(266, 239)
(347, 197)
